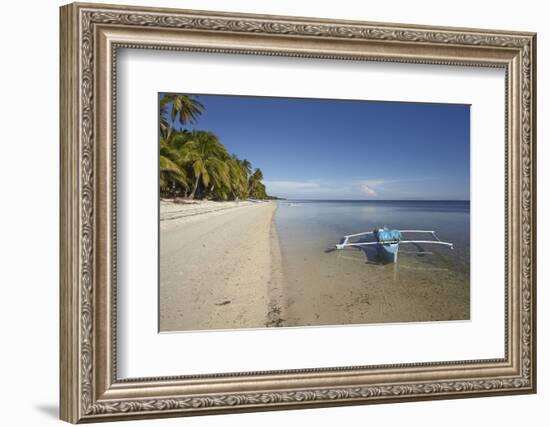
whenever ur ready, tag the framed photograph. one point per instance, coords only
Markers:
(265, 212)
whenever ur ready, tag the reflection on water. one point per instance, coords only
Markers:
(429, 282)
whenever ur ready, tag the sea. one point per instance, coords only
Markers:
(325, 222)
(429, 282)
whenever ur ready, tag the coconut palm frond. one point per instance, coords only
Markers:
(169, 170)
(167, 165)
(182, 109)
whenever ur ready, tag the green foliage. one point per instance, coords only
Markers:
(258, 192)
(171, 174)
(195, 164)
(181, 109)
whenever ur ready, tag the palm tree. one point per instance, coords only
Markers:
(171, 175)
(207, 159)
(172, 172)
(247, 166)
(254, 180)
(196, 161)
(180, 109)
(238, 173)
(259, 191)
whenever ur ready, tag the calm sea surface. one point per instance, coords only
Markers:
(429, 282)
(325, 222)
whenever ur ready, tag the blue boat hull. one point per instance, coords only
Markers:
(388, 251)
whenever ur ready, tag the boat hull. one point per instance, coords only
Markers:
(388, 251)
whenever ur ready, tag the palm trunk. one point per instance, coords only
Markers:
(174, 194)
(251, 188)
(192, 195)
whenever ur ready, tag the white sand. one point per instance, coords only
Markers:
(220, 266)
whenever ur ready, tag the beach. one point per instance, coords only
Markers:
(220, 266)
(229, 265)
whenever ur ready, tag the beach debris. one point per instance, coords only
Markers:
(223, 302)
(274, 317)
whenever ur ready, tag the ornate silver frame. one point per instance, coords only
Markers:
(90, 36)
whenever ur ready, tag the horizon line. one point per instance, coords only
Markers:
(377, 200)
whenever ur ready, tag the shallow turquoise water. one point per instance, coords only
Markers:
(325, 286)
(323, 223)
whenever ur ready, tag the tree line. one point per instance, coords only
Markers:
(194, 164)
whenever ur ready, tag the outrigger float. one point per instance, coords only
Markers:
(387, 241)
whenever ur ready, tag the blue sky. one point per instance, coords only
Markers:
(360, 150)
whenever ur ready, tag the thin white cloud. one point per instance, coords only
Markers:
(306, 189)
(358, 189)
(386, 187)
(369, 191)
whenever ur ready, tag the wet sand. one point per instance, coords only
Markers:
(220, 266)
(353, 287)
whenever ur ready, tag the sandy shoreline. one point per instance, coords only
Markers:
(172, 213)
(220, 266)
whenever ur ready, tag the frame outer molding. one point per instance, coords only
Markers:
(89, 388)
(69, 220)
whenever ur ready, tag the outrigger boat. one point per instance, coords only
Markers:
(387, 241)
